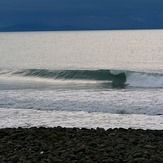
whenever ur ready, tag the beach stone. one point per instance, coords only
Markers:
(80, 145)
(139, 160)
(149, 147)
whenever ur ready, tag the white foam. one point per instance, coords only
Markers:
(116, 72)
(139, 101)
(144, 80)
(28, 118)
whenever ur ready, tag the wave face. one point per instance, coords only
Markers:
(117, 78)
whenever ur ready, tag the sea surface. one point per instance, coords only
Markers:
(82, 79)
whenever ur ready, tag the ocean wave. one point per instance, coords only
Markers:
(118, 78)
(148, 80)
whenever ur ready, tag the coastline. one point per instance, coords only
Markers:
(26, 118)
(59, 144)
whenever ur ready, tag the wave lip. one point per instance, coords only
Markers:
(68, 74)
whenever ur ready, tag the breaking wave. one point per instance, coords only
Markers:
(118, 78)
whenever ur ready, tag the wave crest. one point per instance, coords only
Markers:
(118, 78)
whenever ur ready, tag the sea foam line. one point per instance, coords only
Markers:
(29, 118)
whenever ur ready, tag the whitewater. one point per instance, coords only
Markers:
(82, 79)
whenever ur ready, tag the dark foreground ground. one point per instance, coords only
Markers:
(73, 145)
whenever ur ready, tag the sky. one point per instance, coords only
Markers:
(49, 15)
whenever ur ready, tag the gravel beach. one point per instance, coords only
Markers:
(74, 145)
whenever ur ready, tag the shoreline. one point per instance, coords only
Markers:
(13, 118)
(59, 144)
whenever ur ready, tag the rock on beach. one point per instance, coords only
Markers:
(75, 145)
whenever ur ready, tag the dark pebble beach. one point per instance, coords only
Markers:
(74, 145)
